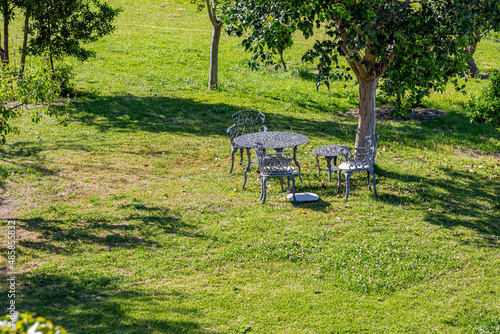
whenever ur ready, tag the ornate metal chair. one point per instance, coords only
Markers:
(275, 165)
(360, 159)
(246, 121)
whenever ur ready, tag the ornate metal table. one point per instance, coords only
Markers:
(330, 152)
(276, 140)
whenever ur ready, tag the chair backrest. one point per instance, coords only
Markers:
(247, 121)
(273, 164)
(371, 144)
(362, 157)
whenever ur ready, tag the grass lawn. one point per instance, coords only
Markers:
(128, 221)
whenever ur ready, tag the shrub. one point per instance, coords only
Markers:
(35, 86)
(486, 108)
(28, 323)
(63, 75)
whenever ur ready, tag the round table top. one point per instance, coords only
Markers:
(271, 139)
(332, 150)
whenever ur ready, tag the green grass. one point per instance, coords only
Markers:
(129, 223)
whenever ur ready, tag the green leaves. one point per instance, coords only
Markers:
(62, 26)
(36, 86)
(27, 323)
(486, 108)
(267, 25)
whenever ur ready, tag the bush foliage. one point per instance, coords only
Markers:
(486, 107)
(27, 323)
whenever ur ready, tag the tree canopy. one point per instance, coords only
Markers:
(60, 27)
(373, 35)
(270, 29)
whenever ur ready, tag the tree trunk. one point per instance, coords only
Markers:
(51, 61)
(6, 20)
(367, 113)
(282, 61)
(25, 41)
(2, 54)
(398, 100)
(473, 67)
(214, 56)
(472, 64)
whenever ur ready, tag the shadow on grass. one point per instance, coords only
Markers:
(471, 202)
(182, 115)
(453, 128)
(94, 303)
(130, 230)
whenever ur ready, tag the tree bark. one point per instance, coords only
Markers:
(367, 113)
(472, 64)
(282, 61)
(2, 53)
(51, 61)
(214, 56)
(25, 42)
(6, 20)
(473, 67)
(214, 48)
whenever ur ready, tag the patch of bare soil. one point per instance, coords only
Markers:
(384, 113)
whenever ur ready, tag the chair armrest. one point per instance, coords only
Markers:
(230, 130)
(263, 128)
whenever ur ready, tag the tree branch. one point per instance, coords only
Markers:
(212, 15)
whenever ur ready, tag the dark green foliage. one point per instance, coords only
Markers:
(486, 108)
(60, 27)
(424, 66)
(63, 75)
(268, 25)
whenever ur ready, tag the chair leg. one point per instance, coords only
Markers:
(248, 168)
(261, 188)
(281, 181)
(347, 176)
(241, 156)
(338, 184)
(288, 184)
(369, 183)
(264, 189)
(374, 186)
(317, 161)
(329, 167)
(293, 189)
(233, 151)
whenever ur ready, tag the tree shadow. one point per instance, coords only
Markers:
(453, 128)
(129, 230)
(182, 115)
(153, 114)
(95, 303)
(472, 203)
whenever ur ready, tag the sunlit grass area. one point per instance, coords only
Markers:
(128, 221)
